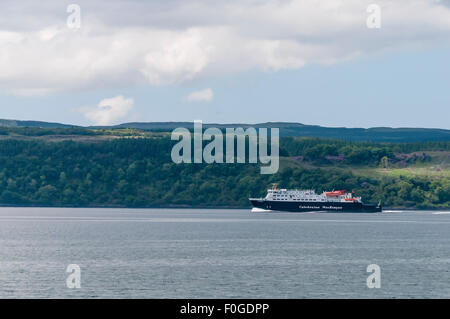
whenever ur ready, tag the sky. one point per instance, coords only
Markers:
(352, 63)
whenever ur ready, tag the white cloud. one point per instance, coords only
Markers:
(108, 111)
(205, 95)
(173, 41)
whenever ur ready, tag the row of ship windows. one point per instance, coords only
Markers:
(284, 196)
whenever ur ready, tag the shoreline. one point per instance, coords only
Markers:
(196, 207)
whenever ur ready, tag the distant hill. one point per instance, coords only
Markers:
(17, 123)
(376, 134)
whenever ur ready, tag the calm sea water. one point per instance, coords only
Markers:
(169, 253)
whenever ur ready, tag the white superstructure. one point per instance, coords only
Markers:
(310, 195)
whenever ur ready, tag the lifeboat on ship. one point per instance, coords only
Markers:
(335, 193)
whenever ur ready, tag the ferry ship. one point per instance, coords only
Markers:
(307, 200)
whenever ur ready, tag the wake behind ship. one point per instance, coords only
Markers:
(307, 201)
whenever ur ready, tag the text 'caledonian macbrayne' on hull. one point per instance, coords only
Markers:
(308, 200)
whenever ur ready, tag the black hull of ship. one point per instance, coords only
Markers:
(330, 207)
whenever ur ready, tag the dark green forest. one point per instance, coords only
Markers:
(138, 172)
